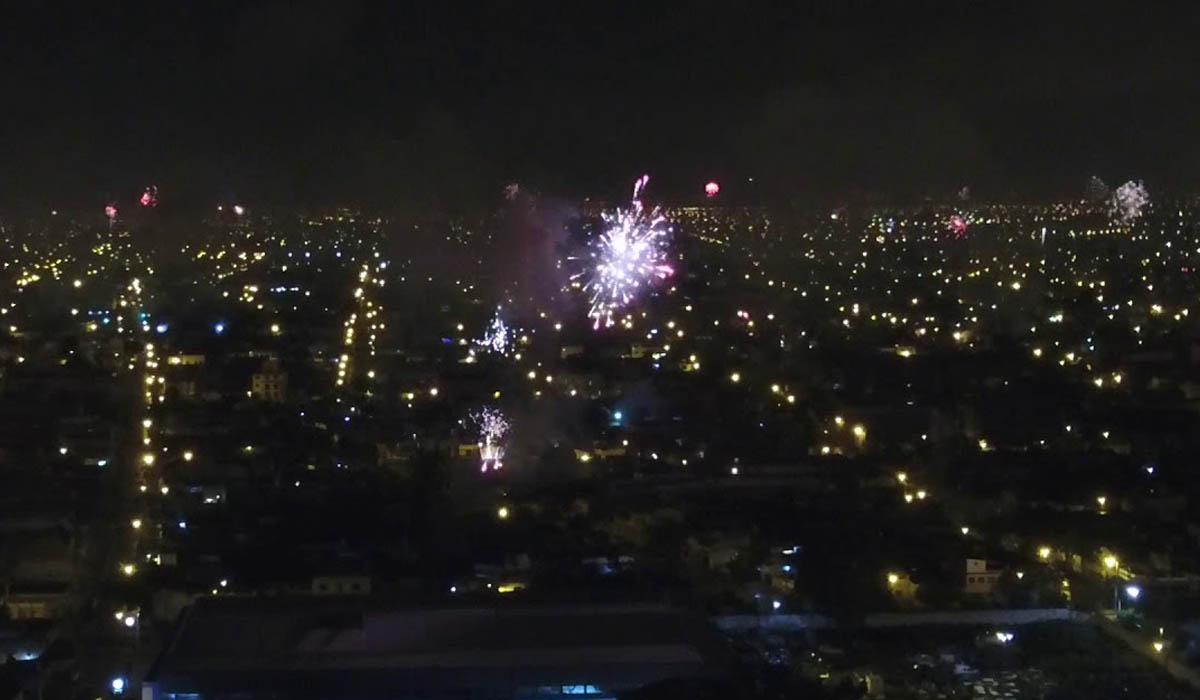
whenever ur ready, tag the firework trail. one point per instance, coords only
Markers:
(493, 426)
(1128, 201)
(110, 211)
(627, 256)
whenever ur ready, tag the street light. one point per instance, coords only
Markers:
(1044, 553)
(1133, 592)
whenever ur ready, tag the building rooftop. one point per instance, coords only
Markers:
(353, 648)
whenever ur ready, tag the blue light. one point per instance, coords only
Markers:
(118, 685)
(787, 568)
(618, 416)
(160, 328)
(219, 328)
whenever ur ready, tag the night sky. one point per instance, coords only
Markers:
(438, 105)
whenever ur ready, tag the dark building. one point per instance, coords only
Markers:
(360, 649)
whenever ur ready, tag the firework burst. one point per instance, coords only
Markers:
(497, 338)
(493, 426)
(1128, 201)
(627, 256)
(149, 197)
(959, 225)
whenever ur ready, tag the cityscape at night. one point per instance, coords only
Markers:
(717, 382)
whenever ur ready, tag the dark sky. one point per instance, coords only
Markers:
(415, 104)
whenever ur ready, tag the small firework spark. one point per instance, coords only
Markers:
(110, 210)
(239, 209)
(712, 189)
(511, 190)
(493, 426)
(1128, 201)
(1096, 189)
(959, 225)
(150, 197)
(497, 338)
(628, 255)
(965, 193)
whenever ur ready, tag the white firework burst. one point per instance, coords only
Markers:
(626, 257)
(1128, 201)
(497, 338)
(493, 426)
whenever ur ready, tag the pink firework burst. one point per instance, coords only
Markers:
(149, 197)
(959, 225)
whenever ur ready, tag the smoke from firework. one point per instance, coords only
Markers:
(1096, 189)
